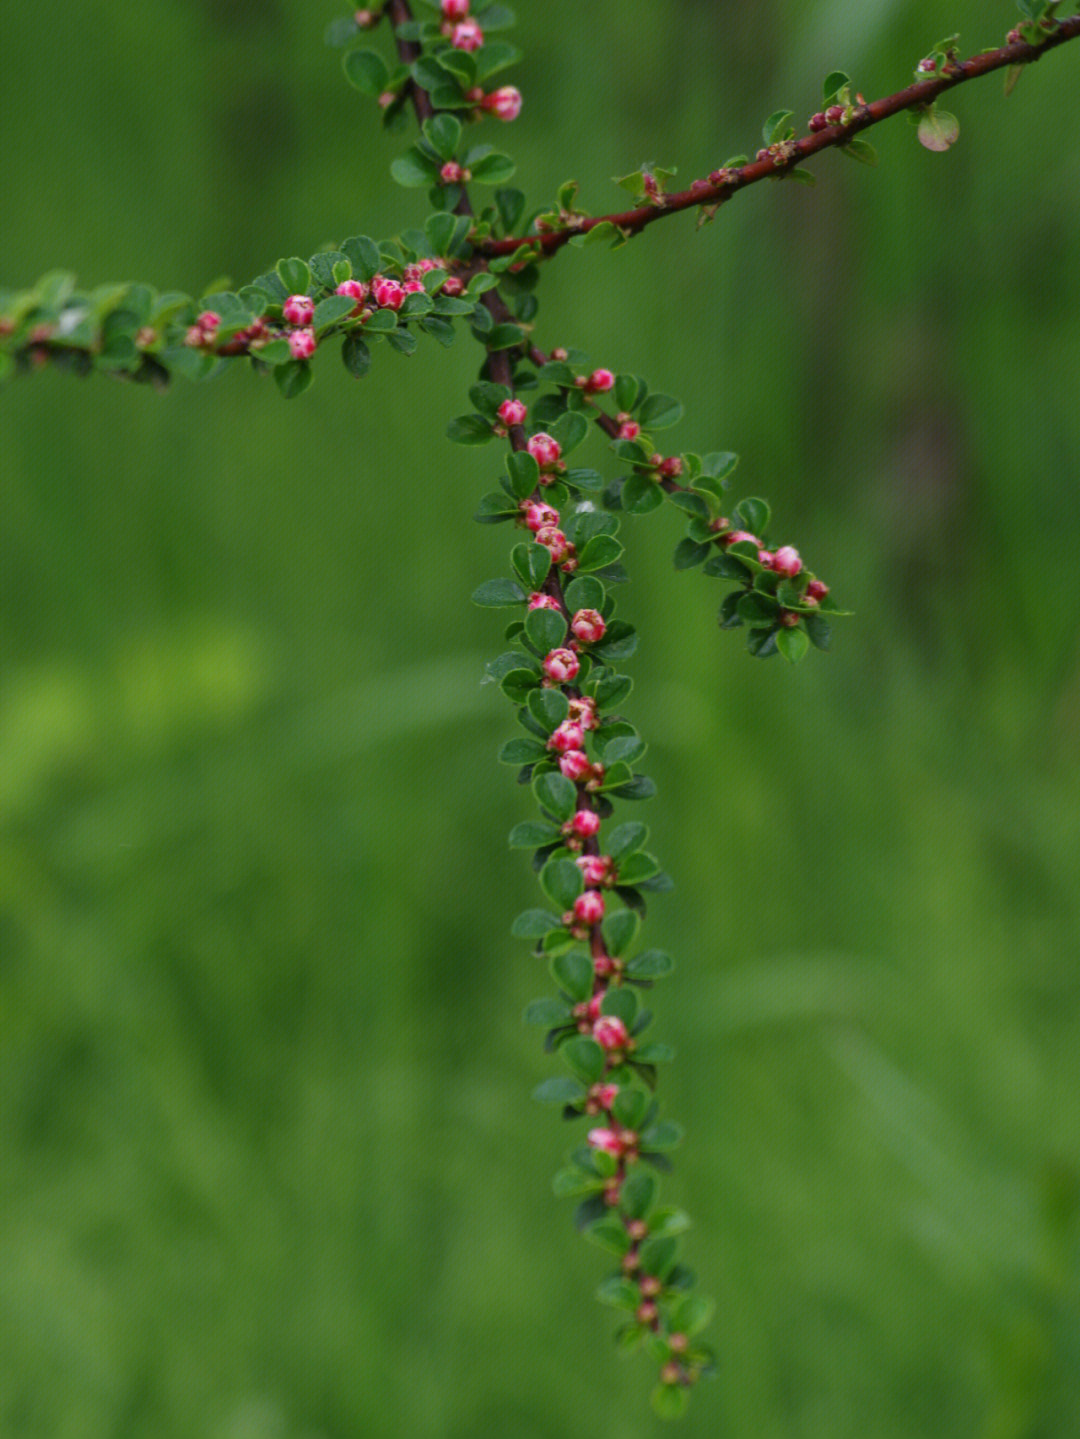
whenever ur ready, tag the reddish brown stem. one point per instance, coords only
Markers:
(715, 192)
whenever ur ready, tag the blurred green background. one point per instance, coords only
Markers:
(270, 1167)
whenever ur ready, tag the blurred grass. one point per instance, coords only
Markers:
(270, 1167)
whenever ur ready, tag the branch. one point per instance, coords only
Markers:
(722, 184)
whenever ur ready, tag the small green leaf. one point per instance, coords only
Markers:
(650, 964)
(601, 550)
(504, 337)
(532, 834)
(524, 473)
(861, 150)
(367, 71)
(547, 1012)
(549, 708)
(609, 1233)
(356, 356)
(792, 644)
(559, 1089)
(414, 169)
(689, 553)
(834, 83)
(938, 130)
(363, 255)
(293, 378)
(295, 275)
(555, 793)
(493, 593)
(638, 1195)
(755, 516)
(443, 133)
(518, 684)
(493, 169)
(669, 1401)
(574, 973)
(638, 867)
(585, 1058)
(469, 430)
(660, 411)
(561, 881)
(546, 629)
(620, 929)
(534, 924)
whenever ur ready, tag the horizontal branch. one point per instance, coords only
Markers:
(722, 184)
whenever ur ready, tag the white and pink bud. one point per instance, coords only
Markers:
(575, 765)
(387, 293)
(365, 19)
(302, 344)
(208, 321)
(545, 449)
(467, 36)
(786, 561)
(454, 9)
(604, 1094)
(588, 626)
(671, 468)
(553, 539)
(734, 537)
(609, 1030)
(355, 290)
(610, 1141)
(583, 712)
(511, 412)
(298, 309)
(816, 590)
(453, 286)
(568, 736)
(504, 103)
(561, 666)
(629, 430)
(596, 868)
(589, 909)
(414, 287)
(538, 601)
(599, 382)
(585, 823)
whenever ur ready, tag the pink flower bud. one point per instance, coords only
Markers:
(671, 468)
(413, 287)
(600, 381)
(453, 286)
(561, 665)
(605, 1093)
(537, 601)
(786, 561)
(554, 540)
(834, 114)
(629, 430)
(364, 19)
(560, 352)
(588, 626)
(575, 765)
(356, 290)
(589, 909)
(455, 9)
(208, 321)
(816, 590)
(818, 121)
(195, 337)
(733, 537)
(451, 173)
(583, 712)
(765, 557)
(585, 823)
(389, 294)
(467, 36)
(609, 1140)
(568, 736)
(789, 619)
(298, 309)
(504, 103)
(927, 66)
(302, 344)
(609, 1030)
(596, 868)
(511, 412)
(544, 449)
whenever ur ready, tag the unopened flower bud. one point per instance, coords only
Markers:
(453, 286)
(735, 537)
(566, 737)
(455, 9)
(544, 448)
(596, 868)
(302, 344)
(585, 823)
(600, 381)
(646, 1312)
(588, 626)
(816, 590)
(786, 561)
(609, 1030)
(671, 468)
(356, 290)
(818, 121)
(607, 1140)
(575, 765)
(538, 601)
(583, 712)
(629, 430)
(834, 114)
(553, 539)
(504, 103)
(561, 665)
(298, 309)
(511, 412)
(467, 36)
(789, 619)
(451, 173)
(589, 909)
(389, 294)
(208, 321)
